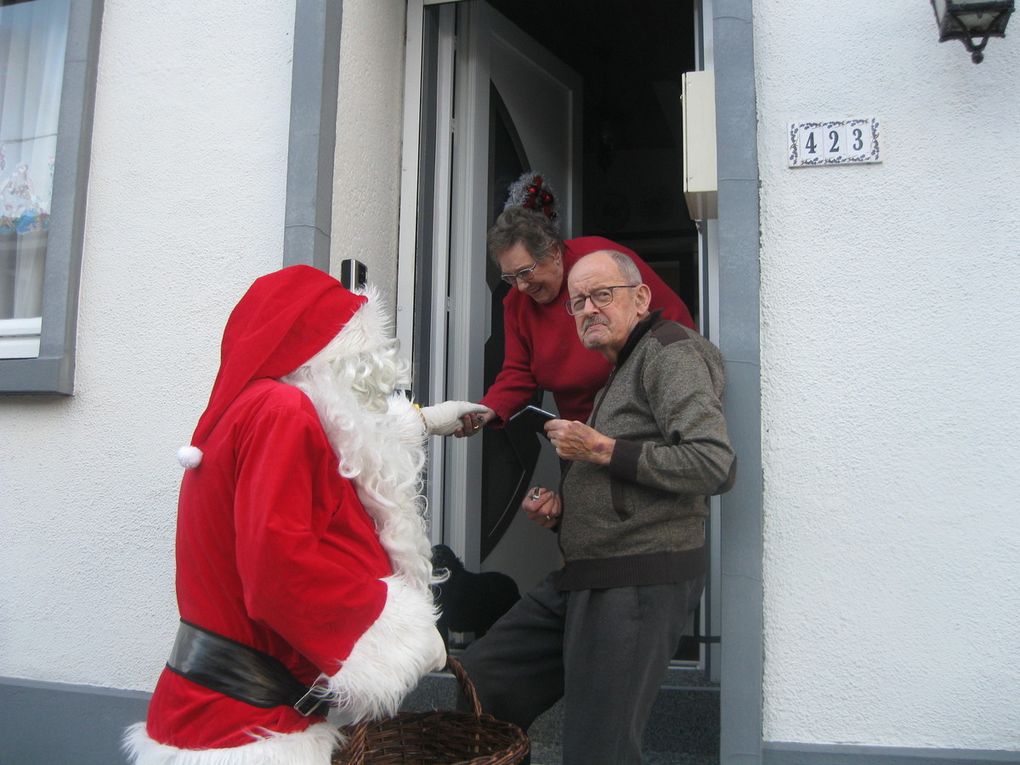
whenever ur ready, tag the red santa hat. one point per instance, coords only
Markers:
(284, 319)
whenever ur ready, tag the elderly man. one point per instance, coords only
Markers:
(630, 515)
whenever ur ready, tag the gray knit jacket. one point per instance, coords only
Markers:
(641, 520)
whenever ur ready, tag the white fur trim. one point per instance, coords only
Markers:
(390, 657)
(189, 456)
(409, 426)
(313, 746)
(366, 327)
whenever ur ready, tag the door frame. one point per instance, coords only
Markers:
(454, 241)
(416, 187)
(730, 48)
(739, 339)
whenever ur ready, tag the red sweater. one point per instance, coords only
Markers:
(542, 348)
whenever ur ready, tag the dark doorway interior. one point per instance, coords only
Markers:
(631, 56)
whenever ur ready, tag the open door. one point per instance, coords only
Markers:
(501, 104)
(533, 123)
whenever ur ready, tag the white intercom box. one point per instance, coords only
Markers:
(701, 184)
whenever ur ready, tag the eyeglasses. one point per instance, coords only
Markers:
(524, 275)
(600, 298)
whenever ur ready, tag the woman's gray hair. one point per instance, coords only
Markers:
(539, 235)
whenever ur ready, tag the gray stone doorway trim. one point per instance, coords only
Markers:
(312, 142)
(741, 515)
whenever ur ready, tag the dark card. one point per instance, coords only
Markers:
(532, 418)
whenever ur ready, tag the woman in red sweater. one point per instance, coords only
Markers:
(542, 349)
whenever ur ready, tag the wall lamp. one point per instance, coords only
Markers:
(972, 22)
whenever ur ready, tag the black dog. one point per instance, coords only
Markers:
(469, 602)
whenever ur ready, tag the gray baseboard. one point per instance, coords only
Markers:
(784, 753)
(54, 723)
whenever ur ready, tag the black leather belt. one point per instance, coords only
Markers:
(241, 672)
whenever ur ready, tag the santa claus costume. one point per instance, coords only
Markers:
(303, 566)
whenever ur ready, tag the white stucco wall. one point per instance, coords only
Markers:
(185, 208)
(366, 180)
(890, 396)
(890, 329)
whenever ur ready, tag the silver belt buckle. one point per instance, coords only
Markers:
(314, 697)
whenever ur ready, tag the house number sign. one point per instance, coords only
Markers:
(835, 142)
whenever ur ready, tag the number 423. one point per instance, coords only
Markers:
(835, 142)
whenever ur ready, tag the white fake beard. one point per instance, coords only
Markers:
(375, 432)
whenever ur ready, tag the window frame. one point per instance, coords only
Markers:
(52, 371)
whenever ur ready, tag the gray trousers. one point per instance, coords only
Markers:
(605, 652)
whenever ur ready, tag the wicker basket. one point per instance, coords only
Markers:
(436, 738)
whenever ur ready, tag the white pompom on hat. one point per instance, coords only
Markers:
(189, 457)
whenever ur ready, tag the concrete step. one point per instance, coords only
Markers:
(683, 728)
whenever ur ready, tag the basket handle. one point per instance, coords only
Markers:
(465, 685)
(357, 743)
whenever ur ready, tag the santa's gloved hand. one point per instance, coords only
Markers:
(444, 419)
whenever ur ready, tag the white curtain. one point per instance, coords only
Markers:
(33, 38)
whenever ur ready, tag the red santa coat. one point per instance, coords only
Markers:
(277, 550)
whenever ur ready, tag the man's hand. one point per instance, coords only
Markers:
(576, 441)
(474, 422)
(542, 506)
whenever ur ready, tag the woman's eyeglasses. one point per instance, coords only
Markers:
(599, 298)
(523, 275)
